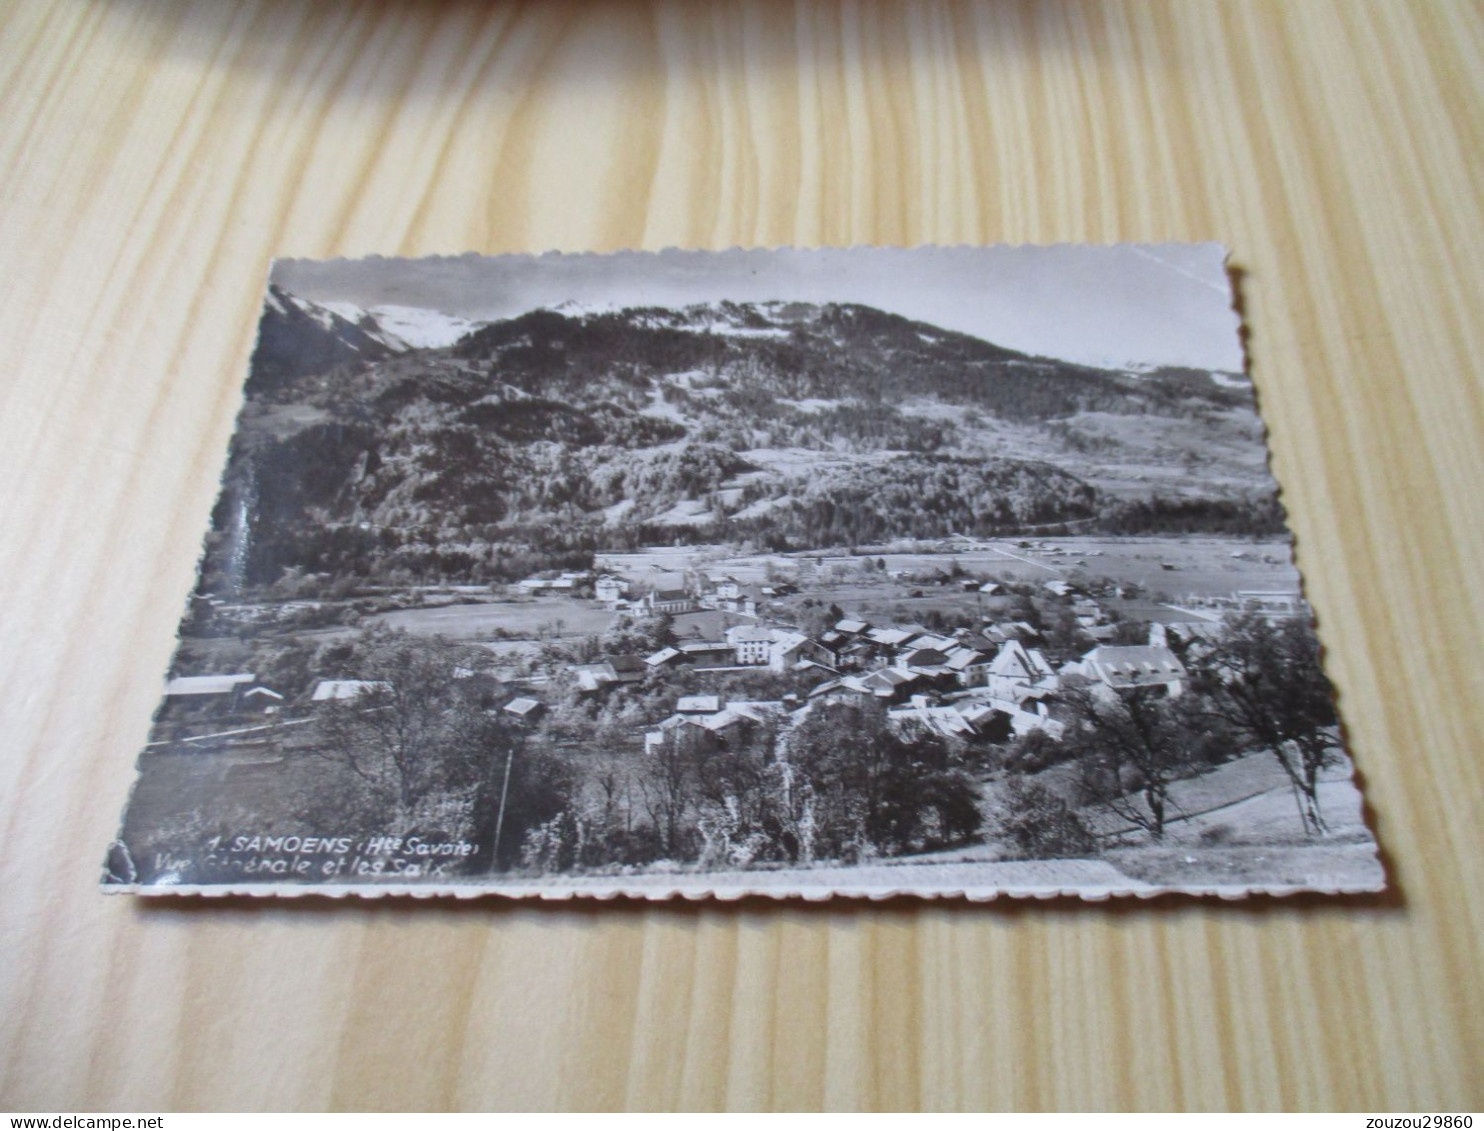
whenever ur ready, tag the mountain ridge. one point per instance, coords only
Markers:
(787, 423)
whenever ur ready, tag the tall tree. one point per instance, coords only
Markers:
(1265, 680)
(420, 737)
(875, 789)
(1131, 748)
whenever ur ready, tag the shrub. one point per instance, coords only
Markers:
(1217, 835)
(1036, 824)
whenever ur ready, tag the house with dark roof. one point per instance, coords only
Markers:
(709, 653)
(671, 601)
(190, 694)
(923, 658)
(969, 665)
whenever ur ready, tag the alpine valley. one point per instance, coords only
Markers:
(402, 439)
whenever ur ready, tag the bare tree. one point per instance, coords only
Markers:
(412, 726)
(1131, 748)
(667, 784)
(1265, 680)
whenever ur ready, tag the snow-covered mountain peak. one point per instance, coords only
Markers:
(422, 327)
(397, 328)
(571, 308)
(344, 320)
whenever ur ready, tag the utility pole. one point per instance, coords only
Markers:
(504, 791)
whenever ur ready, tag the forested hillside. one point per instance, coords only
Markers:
(548, 436)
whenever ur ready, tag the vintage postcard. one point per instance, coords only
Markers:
(938, 571)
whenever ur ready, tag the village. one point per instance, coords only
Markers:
(1070, 700)
(985, 680)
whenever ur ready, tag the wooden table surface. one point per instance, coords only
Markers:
(155, 155)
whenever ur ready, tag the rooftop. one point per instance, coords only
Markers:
(345, 688)
(738, 634)
(206, 684)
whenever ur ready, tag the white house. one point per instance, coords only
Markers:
(787, 649)
(753, 644)
(1016, 667)
(610, 590)
(1132, 668)
(970, 665)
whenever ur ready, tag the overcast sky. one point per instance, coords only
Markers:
(1129, 304)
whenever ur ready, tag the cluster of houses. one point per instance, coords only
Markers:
(698, 591)
(992, 682)
(991, 685)
(744, 647)
(710, 715)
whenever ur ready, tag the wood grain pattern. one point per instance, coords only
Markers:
(155, 155)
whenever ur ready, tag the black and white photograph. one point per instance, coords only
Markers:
(946, 571)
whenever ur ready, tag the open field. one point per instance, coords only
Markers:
(1202, 566)
(528, 619)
